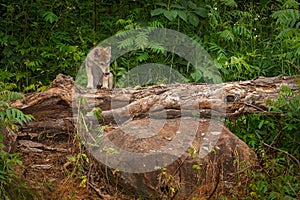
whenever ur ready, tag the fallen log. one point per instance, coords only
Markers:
(227, 99)
(187, 152)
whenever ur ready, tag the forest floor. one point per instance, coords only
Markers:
(57, 173)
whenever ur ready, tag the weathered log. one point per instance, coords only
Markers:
(227, 99)
(177, 110)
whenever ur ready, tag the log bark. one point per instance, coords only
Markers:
(180, 107)
(227, 99)
(230, 99)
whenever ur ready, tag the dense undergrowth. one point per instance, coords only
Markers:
(40, 39)
(275, 137)
(11, 186)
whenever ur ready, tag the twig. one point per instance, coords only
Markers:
(288, 154)
(60, 14)
(293, 190)
(103, 196)
(293, 65)
(277, 136)
(89, 173)
(246, 168)
(256, 107)
(216, 186)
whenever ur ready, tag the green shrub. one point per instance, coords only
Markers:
(11, 186)
(276, 139)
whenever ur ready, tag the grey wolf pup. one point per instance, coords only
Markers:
(97, 68)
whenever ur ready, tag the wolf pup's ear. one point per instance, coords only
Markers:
(96, 52)
(108, 49)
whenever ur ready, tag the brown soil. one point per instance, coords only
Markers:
(54, 176)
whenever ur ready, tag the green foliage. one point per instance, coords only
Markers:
(8, 114)
(7, 164)
(36, 43)
(246, 39)
(11, 187)
(186, 11)
(167, 184)
(276, 140)
(243, 48)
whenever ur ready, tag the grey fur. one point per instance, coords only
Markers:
(97, 68)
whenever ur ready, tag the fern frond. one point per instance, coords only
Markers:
(242, 31)
(288, 33)
(156, 24)
(291, 4)
(287, 17)
(230, 3)
(227, 35)
(143, 57)
(7, 86)
(122, 33)
(49, 16)
(127, 43)
(157, 48)
(142, 40)
(10, 96)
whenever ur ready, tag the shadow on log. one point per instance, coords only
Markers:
(181, 148)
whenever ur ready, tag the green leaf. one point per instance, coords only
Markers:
(126, 43)
(196, 76)
(286, 89)
(142, 40)
(196, 167)
(287, 17)
(13, 113)
(156, 24)
(176, 6)
(19, 121)
(241, 30)
(98, 113)
(202, 12)
(170, 14)
(230, 3)
(8, 114)
(182, 15)
(2, 115)
(50, 16)
(143, 57)
(193, 19)
(261, 124)
(162, 4)
(72, 159)
(111, 150)
(192, 5)
(227, 35)
(290, 127)
(157, 11)
(90, 114)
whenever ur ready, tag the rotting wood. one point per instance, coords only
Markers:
(231, 99)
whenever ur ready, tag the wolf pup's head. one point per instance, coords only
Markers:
(101, 57)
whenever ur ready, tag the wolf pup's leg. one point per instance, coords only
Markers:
(105, 81)
(108, 81)
(89, 74)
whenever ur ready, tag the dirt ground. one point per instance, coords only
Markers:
(57, 170)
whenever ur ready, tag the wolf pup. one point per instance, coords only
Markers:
(97, 68)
